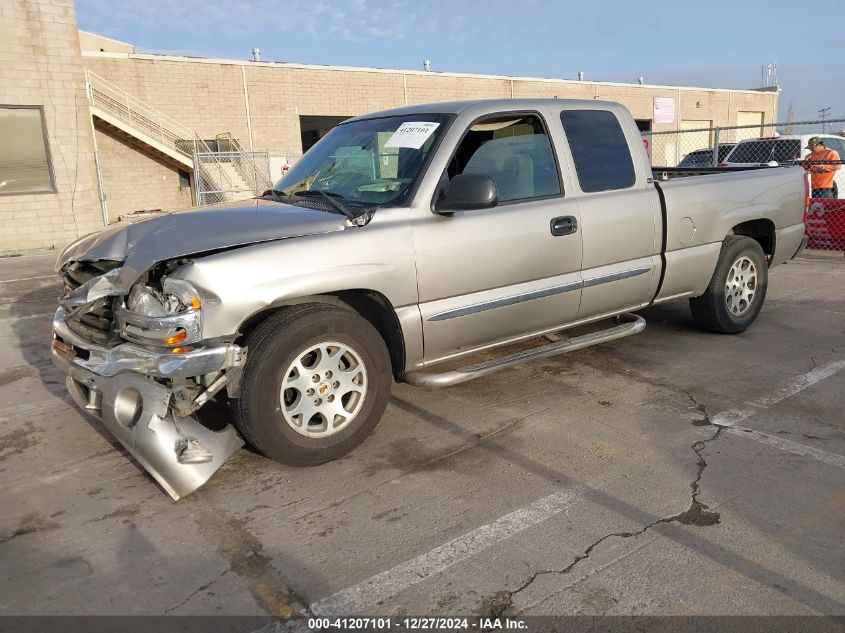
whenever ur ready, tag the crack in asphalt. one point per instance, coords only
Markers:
(701, 408)
(501, 603)
(197, 590)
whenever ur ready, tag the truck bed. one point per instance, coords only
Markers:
(669, 173)
(699, 212)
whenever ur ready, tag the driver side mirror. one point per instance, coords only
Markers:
(466, 192)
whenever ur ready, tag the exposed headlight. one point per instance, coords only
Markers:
(178, 296)
(171, 317)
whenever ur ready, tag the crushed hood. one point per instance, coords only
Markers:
(143, 244)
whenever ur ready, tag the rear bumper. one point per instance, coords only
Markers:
(115, 386)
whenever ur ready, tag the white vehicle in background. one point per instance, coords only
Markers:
(786, 148)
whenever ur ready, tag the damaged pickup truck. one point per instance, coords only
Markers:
(401, 243)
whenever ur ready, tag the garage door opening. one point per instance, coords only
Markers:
(313, 128)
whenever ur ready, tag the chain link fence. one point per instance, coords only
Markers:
(825, 224)
(769, 144)
(232, 175)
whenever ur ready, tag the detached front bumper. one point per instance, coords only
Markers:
(116, 385)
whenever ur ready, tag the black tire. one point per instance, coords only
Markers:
(272, 347)
(710, 310)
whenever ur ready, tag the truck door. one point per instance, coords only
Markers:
(491, 275)
(620, 213)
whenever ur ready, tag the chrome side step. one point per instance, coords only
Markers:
(633, 324)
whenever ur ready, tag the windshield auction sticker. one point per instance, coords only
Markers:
(411, 134)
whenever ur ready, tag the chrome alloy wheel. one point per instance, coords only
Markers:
(741, 286)
(323, 389)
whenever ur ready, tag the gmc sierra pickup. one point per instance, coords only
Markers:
(403, 241)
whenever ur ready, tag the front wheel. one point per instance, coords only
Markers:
(736, 292)
(315, 385)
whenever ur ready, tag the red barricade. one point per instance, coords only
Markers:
(824, 224)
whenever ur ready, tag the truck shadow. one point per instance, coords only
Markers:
(31, 317)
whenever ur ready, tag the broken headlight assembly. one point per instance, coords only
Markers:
(170, 317)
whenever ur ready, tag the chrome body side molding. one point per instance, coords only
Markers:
(504, 301)
(536, 294)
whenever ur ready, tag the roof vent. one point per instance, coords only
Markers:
(256, 54)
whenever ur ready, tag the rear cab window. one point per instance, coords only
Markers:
(600, 150)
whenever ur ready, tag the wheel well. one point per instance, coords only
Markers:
(370, 304)
(762, 231)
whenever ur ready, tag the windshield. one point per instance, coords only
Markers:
(368, 162)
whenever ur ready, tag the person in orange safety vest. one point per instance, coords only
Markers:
(819, 164)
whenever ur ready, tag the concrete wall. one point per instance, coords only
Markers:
(261, 103)
(40, 64)
(135, 180)
(213, 96)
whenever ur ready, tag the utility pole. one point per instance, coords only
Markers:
(823, 114)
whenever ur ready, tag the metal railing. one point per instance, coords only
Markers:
(156, 125)
(234, 175)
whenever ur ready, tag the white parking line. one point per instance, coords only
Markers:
(788, 445)
(357, 598)
(730, 419)
(37, 315)
(8, 281)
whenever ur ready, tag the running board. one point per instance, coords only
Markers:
(634, 324)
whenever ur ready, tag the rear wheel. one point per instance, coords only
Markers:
(736, 292)
(315, 385)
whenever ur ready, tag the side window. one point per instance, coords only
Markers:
(785, 151)
(514, 151)
(835, 145)
(601, 153)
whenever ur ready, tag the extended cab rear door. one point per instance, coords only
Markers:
(619, 208)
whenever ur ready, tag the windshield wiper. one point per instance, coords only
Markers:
(332, 198)
(274, 194)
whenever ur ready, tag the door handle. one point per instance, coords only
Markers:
(564, 225)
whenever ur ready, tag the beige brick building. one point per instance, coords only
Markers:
(41, 74)
(146, 163)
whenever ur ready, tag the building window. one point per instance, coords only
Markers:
(24, 156)
(184, 178)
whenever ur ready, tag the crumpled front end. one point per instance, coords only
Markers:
(138, 376)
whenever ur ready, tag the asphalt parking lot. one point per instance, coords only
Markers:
(674, 472)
